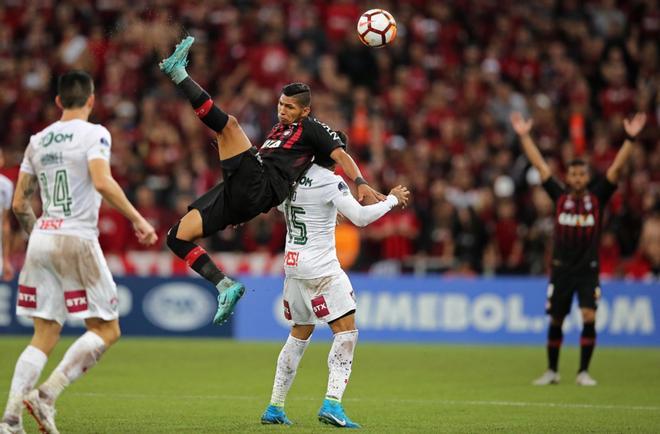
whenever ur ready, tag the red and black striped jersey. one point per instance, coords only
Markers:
(578, 224)
(289, 151)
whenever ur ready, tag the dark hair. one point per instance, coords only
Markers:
(577, 162)
(300, 91)
(73, 88)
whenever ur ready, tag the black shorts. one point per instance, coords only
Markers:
(244, 193)
(562, 288)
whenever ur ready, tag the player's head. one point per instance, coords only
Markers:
(577, 176)
(295, 103)
(75, 90)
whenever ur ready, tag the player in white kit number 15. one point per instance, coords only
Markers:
(316, 289)
(65, 271)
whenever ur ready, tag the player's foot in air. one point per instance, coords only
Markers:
(5, 428)
(43, 413)
(175, 65)
(275, 415)
(332, 413)
(231, 292)
(584, 379)
(548, 377)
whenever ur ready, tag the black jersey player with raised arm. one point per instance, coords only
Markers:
(575, 269)
(254, 181)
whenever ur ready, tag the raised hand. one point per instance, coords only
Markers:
(519, 124)
(368, 196)
(634, 125)
(402, 194)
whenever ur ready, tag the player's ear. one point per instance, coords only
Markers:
(90, 101)
(306, 111)
(58, 102)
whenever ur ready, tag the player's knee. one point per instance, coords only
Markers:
(232, 122)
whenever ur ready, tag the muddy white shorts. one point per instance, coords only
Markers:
(63, 275)
(320, 300)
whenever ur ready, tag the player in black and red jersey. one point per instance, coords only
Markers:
(579, 211)
(254, 181)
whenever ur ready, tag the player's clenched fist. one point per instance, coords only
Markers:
(145, 233)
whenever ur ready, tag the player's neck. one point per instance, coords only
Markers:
(71, 114)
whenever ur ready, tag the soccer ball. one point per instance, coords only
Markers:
(376, 28)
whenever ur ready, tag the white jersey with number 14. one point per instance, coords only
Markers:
(58, 156)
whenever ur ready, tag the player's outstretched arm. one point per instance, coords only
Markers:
(363, 215)
(22, 205)
(7, 269)
(106, 185)
(523, 127)
(632, 127)
(366, 194)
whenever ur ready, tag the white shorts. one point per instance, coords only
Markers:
(321, 300)
(63, 275)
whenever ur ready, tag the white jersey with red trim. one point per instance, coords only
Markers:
(58, 156)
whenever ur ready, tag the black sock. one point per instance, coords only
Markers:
(201, 101)
(195, 256)
(555, 337)
(587, 344)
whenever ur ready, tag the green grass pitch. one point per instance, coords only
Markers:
(213, 386)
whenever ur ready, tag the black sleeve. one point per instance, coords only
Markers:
(553, 188)
(321, 137)
(603, 189)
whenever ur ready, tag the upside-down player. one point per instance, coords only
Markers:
(578, 224)
(316, 289)
(65, 271)
(254, 181)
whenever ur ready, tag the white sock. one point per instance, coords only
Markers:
(340, 363)
(28, 369)
(287, 364)
(80, 357)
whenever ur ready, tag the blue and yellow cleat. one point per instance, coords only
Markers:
(332, 413)
(275, 415)
(178, 60)
(227, 302)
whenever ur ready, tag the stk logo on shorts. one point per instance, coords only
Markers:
(320, 307)
(287, 311)
(76, 300)
(27, 297)
(291, 259)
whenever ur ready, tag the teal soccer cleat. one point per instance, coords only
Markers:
(275, 415)
(227, 302)
(175, 65)
(332, 413)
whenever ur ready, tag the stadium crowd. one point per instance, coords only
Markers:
(430, 111)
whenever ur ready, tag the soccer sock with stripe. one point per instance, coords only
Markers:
(28, 369)
(587, 344)
(203, 105)
(81, 356)
(340, 363)
(555, 338)
(195, 256)
(287, 365)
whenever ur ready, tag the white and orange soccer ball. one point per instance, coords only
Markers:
(376, 28)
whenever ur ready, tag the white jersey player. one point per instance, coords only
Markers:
(65, 272)
(6, 191)
(316, 289)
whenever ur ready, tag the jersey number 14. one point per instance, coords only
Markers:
(61, 194)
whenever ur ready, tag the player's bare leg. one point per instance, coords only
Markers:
(555, 339)
(340, 364)
(81, 356)
(27, 371)
(287, 365)
(587, 344)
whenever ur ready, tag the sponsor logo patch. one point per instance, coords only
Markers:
(291, 259)
(76, 301)
(343, 187)
(50, 224)
(287, 310)
(320, 307)
(27, 297)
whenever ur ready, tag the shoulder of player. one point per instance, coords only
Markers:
(6, 182)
